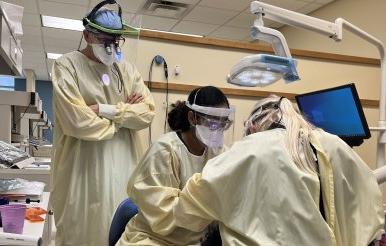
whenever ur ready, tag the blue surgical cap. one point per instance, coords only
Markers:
(108, 19)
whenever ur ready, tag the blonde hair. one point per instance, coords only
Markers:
(276, 110)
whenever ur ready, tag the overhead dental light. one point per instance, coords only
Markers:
(262, 69)
(333, 30)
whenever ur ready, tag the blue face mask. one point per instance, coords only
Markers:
(119, 56)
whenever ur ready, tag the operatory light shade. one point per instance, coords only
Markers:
(262, 70)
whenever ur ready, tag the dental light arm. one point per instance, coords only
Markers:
(274, 37)
(334, 31)
(294, 19)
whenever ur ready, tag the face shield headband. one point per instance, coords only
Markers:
(263, 113)
(114, 29)
(212, 117)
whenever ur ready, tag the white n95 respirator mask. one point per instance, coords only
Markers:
(100, 53)
(211, 138)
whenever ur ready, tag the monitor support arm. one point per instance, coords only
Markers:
(335, 31)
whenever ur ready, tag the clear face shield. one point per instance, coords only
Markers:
(214, 126)
(130, 46)
(266, 115)
(111, 32)
(111, 44)
(109, 48)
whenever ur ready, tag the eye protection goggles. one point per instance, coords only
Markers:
(215, 123)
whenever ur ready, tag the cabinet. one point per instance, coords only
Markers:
(11, 52)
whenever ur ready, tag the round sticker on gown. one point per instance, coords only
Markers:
(106, 79)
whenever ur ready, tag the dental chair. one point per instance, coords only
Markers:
(125, 211)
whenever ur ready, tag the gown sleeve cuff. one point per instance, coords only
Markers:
(107, 111)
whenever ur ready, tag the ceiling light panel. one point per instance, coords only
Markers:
(238, 5)
(62, 23)
(53, 56)
(210, 15)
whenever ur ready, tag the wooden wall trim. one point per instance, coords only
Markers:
(240, 92)
(257, 47)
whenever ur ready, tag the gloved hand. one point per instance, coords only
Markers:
(32, 214)
(95, 108)
(134, 98)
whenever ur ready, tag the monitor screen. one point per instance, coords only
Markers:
(337, 110)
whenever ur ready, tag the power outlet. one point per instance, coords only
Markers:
(177, 70)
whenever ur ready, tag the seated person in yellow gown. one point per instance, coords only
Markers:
(198, 133)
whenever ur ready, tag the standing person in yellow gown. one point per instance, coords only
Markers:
(99, 105)
(198, 132)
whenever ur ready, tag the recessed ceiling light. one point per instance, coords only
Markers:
(178, 33)
(77, 25)
(53, 56)
(62, 23)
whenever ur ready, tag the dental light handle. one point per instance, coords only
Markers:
(380, 174)
(273, 37)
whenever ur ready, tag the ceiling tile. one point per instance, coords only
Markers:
(272, 24)
(57, 42)
(60, 49)
(31, 47)
(31, 31)
(38, 56)
(158, 23)
(190, 27)
(231, 33)
(33, 65)
(63, 50)
(309, 8)
(243, 20)
(54, 45)
(131, 6)
(210, 15)
(29, 5)
(61, 34)
(28, 43)
(132, 19)
(76, 2)
(324, 1)
(31, 20)
(238, 5)
(187, 1)
(62, 10)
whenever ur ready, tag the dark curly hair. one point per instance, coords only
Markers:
(208, 96)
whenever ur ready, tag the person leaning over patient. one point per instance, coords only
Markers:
(286, 183)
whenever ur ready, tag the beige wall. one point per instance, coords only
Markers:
(206, 65)
(366, 14)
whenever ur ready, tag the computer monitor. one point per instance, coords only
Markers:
(338, 111)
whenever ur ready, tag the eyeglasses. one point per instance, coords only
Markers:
(108, 40)
(215, 123)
